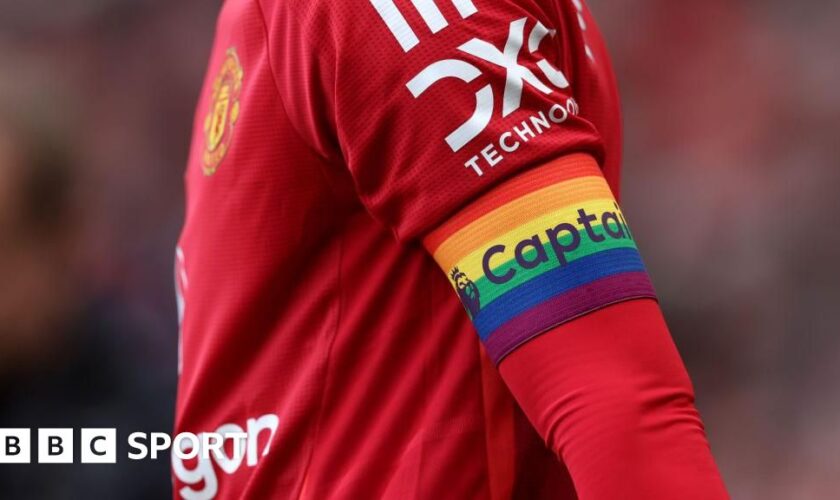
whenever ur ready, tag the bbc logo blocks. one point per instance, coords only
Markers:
(14, 446)
(99, 446)
(56, 446)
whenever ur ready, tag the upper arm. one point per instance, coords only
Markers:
(458, 123)
(429, 104)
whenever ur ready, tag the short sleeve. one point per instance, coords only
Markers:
(428, 104)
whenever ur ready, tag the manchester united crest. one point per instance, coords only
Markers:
(222, 112)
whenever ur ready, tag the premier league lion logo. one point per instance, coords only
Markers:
(467, 292)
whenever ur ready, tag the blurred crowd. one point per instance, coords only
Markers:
(731, 171)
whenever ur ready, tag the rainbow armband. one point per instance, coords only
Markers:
(538, 251)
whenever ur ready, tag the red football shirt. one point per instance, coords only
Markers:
(330, 137)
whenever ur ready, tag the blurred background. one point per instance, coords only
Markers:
(732, 114)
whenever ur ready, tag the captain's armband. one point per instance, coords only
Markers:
(542, 249)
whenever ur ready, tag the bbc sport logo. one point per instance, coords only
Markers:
(99, 445)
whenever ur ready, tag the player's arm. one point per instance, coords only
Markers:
(549, 271)
(468, 137)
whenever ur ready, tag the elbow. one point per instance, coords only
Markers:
(623, 410)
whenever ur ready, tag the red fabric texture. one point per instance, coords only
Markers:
(609, 394)
(343, 79)
(343, 353)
